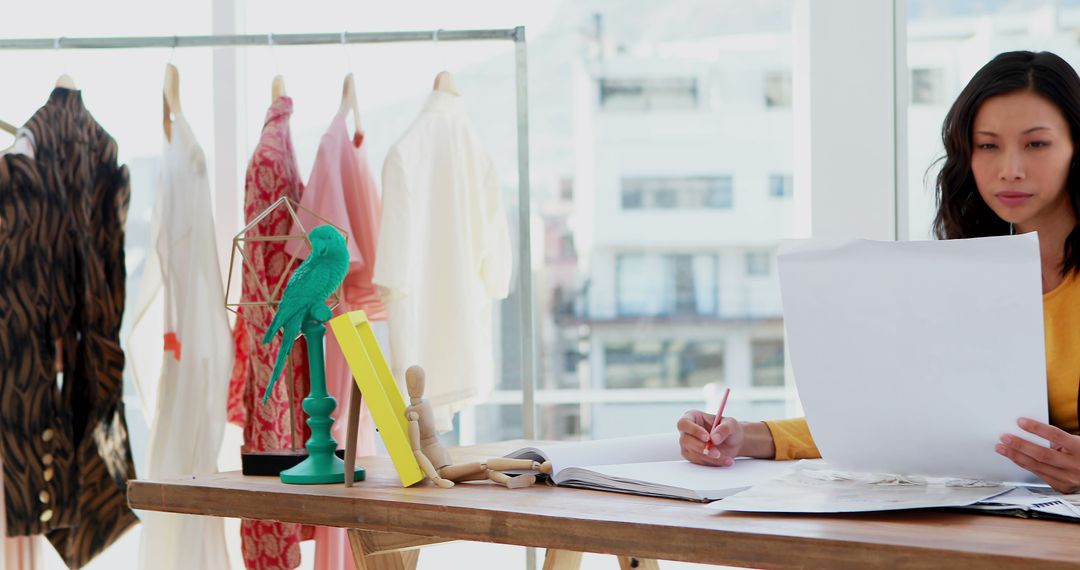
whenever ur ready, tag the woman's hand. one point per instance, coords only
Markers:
(1058, 465)
(727, 439)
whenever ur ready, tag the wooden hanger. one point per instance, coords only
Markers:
(7, 127)
(277, 89)
(445, 82)
(170, 98)
(65, 81)
(349, 102)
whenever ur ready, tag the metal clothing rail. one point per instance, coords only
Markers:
(517, 35)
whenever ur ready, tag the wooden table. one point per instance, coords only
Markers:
(389, 522)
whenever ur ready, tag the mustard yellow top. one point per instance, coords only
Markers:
(1061, 319)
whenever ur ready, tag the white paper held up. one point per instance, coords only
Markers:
(914, 357)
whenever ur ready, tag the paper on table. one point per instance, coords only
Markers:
(1021, 499)
(814, 488)
(914, 357)
(677, 478)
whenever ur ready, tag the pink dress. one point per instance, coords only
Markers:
(342, 190)
(271, 174)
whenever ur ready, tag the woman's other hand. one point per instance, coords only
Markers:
(1058, 465)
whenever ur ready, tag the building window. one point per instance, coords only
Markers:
(719, 193)
(758, 263)
(780, 185)
(778, 89)
(562, 302)
(683, 193)
(653, 94)
(682, 274)
(566, 189)
(666, 285)
(637, 280)
(668, 363)
(927, 86)
(633, 198)
(570, 361)
(665, 198)
(701, 362)
(768, 362)
(567, 251)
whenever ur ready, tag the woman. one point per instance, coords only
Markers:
(1010, 166)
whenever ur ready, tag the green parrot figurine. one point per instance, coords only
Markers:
(309, 287)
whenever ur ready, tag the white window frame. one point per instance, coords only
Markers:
(850, 90)
(850, 109)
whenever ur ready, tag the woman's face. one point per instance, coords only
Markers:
(1021, 152)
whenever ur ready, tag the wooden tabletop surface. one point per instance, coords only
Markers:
(596, 521)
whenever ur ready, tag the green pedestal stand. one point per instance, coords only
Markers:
(321, 466)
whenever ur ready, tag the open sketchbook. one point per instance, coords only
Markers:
(647, 465)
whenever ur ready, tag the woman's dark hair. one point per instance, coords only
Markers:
(962, 213)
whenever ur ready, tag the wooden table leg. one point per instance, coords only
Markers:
(353, 430)
(387, 550)
(562, 560)
(632, 563)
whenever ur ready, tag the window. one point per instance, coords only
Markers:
(633, 198)
(566, 189)
(758, 263)
(570, 361)
(653, 94)
(665, 198)
(651, 135)
(562, 302)
(768, 362)
(701, 362)
(663, 363)
(682, 272)
(684, 193)
(780, 185)
(778, 89)
(927, 86)
(637, 280)
(719, 193)
(565, 421)
(566, 247)
(666, 285)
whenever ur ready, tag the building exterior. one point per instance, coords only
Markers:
(660, 283)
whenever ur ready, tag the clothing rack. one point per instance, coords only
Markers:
(516, 34)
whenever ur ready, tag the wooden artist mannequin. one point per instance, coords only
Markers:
(435, 461)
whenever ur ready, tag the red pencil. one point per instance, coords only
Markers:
(716, 420)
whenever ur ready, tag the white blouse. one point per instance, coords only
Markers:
(443, 254)
(182, 278)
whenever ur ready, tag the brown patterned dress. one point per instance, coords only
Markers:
(78, 163)
(36, 254)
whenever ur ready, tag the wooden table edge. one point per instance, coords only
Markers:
(725, 547)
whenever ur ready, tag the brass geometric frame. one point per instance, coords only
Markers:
(273, 298)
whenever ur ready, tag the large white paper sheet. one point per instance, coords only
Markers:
(815, 488)
(914, 357)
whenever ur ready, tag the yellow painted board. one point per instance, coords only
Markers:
(378, 388)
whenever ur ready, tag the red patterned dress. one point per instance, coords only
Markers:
(271, 174)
